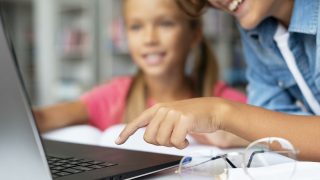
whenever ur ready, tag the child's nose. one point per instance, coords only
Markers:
(151, 35)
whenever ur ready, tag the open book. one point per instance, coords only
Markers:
(86, 134)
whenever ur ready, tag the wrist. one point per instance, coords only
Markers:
(221, 113)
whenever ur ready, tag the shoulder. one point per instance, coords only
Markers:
(116, 88)
(105, 103)
(120, 83)
(221, 89)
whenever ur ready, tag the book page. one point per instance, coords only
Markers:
(136, 142)
(82, 134)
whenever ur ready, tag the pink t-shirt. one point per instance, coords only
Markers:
(106, 103)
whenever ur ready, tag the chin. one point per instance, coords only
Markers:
(248, 26)
(154, 72)
(249, 23)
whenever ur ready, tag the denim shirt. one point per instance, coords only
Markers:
(271, 84)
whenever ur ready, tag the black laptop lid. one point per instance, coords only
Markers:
(21, 151)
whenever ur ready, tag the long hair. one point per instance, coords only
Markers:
(205, 71)
(193, 8)
(204, 75)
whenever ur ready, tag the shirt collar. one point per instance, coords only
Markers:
(304, 20)
(264, 32)
(305, 17)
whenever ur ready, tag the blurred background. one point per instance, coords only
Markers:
(65, 47)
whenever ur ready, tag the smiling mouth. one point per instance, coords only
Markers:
(154, 58)
(233, 6)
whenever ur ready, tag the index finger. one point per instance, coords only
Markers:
(142, 121)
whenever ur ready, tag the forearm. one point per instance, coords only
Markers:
(221, 139)
(252, 123)
(207, 115)
(60, 115)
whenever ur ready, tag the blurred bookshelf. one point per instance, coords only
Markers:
(65, 47)
(221, 31)
(75, 54)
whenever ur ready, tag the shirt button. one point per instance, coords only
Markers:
(280, 84)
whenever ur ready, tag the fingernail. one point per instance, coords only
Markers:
(118, 141)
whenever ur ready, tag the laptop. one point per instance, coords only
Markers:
(24, 155)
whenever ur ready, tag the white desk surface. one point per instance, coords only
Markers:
(304, 170)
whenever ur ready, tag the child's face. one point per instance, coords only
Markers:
(249, 13)
(159, 36)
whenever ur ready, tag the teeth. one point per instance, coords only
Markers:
(234, 4)
(153, 58)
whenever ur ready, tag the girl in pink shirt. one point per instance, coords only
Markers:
(160, 38)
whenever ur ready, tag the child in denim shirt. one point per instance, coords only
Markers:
(281, 41)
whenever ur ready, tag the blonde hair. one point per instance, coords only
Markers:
(204, 75)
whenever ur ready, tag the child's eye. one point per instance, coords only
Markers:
(167, 23)
(135, 27)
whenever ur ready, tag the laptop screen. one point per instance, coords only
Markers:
(21, 148)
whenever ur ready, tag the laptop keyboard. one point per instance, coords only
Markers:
(67, 166)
